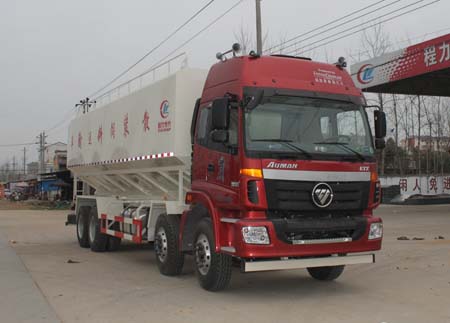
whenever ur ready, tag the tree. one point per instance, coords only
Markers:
(376, 42)
(244, 36)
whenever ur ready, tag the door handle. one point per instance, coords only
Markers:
(210, 168)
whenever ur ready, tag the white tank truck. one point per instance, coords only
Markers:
(251, 196)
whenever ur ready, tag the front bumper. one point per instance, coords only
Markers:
(267, 265)
(234, 244)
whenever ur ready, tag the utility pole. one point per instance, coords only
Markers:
(7, 171)
(14, 168)
(418, 150)
(41, 149)
(24, 162)
(382, 153)
(259, 48)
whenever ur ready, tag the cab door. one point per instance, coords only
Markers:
(217, 163)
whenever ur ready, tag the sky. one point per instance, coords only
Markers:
(55, 52)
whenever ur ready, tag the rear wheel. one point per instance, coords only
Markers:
(83, 227)
(326, 273)
(168, 256)
(213, 269)
(114, 242)
(97, 240)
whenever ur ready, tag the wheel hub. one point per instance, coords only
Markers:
(161, 244)
(203, 254)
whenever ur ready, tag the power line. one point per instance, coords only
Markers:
(16, 145)
(154, 48)
(353, 27)
(330, 23)
(337, 26)
(359, 53)
(154, 67)
(184, 43)
(362, 29)
(64, 119)
(299, 50)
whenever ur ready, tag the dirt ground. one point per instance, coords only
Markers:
(8, 205)
(410, 282)
(32, 205)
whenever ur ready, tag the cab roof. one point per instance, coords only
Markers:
(277, 72)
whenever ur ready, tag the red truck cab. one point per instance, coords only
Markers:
(283, 170)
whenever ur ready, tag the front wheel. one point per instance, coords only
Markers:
(213, 269)
(326, 273)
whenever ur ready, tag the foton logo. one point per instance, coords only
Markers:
(164, 109)
(366, 73)
(282, 165)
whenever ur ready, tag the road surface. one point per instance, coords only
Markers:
(410, 281)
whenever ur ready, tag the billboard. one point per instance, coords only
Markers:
(413, 61)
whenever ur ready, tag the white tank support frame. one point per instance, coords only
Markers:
(168, 183)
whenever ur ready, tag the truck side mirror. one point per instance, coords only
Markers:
(220, 113)
(220, 136)
(380, 124)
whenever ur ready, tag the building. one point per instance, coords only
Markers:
(33, 168)
(57, 185)
(55, 157)
(426, 143)
(55, 182)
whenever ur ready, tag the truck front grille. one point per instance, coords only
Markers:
(295, 197)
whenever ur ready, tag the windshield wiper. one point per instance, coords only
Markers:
(288, 143)
(343, 145)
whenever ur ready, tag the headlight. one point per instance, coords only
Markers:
(255, 235)
(376, 231)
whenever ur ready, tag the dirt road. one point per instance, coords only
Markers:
(409, 283)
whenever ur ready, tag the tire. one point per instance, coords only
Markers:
(114, 242)
(169, 259)
(213, 269)
(83, 227)
(97, 240)
(326, 273)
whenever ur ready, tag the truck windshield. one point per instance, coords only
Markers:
(308, 128)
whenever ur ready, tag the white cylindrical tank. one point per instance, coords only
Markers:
(138, 140)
